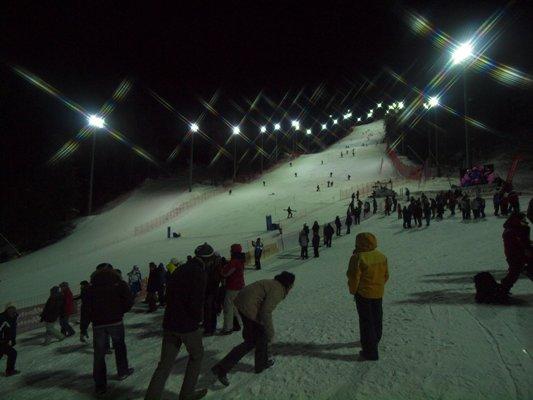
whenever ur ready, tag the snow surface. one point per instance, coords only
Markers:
(437, 343)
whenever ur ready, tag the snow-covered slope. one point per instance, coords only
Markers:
(222, 220)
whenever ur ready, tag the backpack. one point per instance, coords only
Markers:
(487, 289)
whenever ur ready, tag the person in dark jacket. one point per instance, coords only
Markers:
(67, 311)
(258, 251)
(182, 324)
(357, 215)
(348, 222)
(328, 234)
(316, 244)
(406, 217)
(303, 240)
(338, 226)
(514, 202)
(256, 303)
(496, 200)
(8, 338)
(51, 313)
(518, 251)
(427, 209)
(374, 205)
(153, 287)
(108, 299)
(315, 228)
(85, 318)
(212, 302)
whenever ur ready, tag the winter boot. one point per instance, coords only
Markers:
(12, 372)
(221, 375)
(196, 395)
(268, 364)
(124, 376)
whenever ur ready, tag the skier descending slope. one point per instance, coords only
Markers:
(367, 274)
(256, 303)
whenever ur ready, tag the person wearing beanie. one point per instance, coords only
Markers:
(172, 265)
(367, 274)
(8, 338)
(256, 303)
(182, 324)
(233, 272)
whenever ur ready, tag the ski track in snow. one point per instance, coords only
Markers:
(437, 343)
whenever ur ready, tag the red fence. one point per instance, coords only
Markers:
(407, 171)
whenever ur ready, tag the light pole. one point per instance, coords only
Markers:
(277, 127)
(462, 53)
(236, 131)
(194, 129)
(95, 122)
(296, 125)
(263, 130)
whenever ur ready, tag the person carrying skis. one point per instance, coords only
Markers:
(258, 251)
(348, 222)
(303, 240)
(256, 303)
(338, 225)
(134, 280)
(233, 272)
(367, 274)
(8, 338)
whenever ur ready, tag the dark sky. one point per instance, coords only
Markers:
(85, 49)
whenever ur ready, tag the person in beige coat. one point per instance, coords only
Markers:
(256, 303)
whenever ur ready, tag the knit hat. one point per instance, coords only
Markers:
(204, 251)
(286, 279)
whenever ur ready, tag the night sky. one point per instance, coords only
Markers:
(186, 53)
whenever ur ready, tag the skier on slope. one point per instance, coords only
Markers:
(289, 212)
(258, 251)
(348, 222)
(367, 274)
(256, 303)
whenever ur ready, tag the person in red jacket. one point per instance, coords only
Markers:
(233, 272)
(67, 311)
(517, 248)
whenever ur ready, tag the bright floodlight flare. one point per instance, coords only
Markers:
(194, 128)
(324, 126)
(462, 52)
(308, 131)
(277, 127)
(96, 121)
(263, 129)
(369, 115)
(348, 115)
(433, 101)
(295, 124)
(335, 121)
(379, 105)
(358, 119)
(400, 105)
(236, 130)
(426, 106)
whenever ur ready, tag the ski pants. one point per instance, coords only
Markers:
(315, 251)
(254, 336)
(303, 252)
(51, 330)
(496, 209)
(170, 348)
(210, 313)
(11, 354)
(370, 324)
(66, 329)
(229, 309)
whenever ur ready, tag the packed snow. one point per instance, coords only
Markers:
(437, 342)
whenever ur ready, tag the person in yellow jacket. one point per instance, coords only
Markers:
(367, 274)
(172, 265)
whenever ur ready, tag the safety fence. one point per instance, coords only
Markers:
(175, 212)
(407, 171)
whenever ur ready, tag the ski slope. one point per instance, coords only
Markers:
(437, 342)
(222, 220)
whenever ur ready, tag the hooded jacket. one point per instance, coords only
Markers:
(233, 271)
(53, 307)
(258, 300)
(368, 270)
(108, 298)
(8, 328)
(68, 301)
